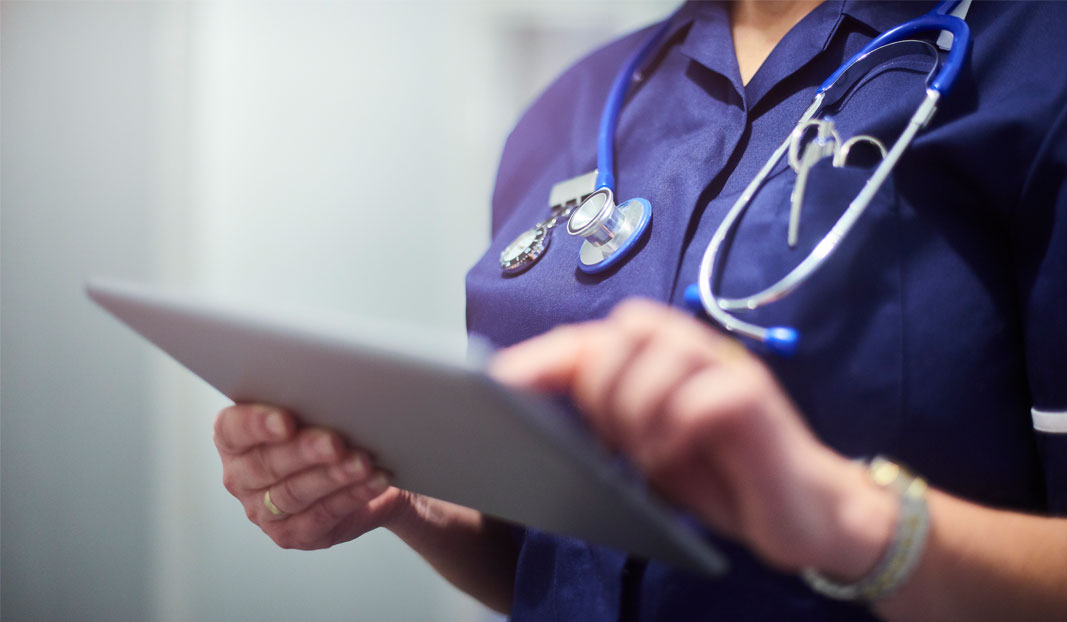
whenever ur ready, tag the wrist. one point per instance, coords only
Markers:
(862, 519)
(901, 553)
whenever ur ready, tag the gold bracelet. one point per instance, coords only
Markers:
(905, 545)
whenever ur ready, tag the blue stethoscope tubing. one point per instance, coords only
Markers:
(609, 118)
(613, 230)
(783, 339)
(937, 19)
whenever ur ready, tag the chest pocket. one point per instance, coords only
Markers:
(847, 373)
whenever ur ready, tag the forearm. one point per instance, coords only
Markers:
(978, 563)
(985, 564)
(474, 553)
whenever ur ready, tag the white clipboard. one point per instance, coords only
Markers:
(442, 429)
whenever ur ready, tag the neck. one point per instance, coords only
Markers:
(757, 27)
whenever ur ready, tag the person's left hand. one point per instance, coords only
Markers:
(712, 429)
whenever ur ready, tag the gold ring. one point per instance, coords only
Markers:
(270, 504)
(732, 350)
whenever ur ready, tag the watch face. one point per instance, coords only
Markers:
(524, 251)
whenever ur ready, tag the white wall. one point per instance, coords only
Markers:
(76, 188)
(334, 154)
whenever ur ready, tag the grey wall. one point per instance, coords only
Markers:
(77, 147)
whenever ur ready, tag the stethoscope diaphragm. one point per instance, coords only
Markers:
(610, 230)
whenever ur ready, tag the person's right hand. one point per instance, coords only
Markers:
(324, 492)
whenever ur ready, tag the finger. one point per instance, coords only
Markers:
(299, 492)
(677, 454)
(318, 526)
(637, 312)
(243, 426)
(676, 347)
(716, 443)
(583, 360)
(668, 347)
(266, 464)
(354, 499)
(716, 411)
(544, 363)
(645, 384)
(547, 362)
(608, 349)
(615, 373)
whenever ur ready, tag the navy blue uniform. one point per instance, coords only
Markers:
(931, 335)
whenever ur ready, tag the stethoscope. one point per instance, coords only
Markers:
(610, 231)
(783, 339)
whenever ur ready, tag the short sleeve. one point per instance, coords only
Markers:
(1040, 249)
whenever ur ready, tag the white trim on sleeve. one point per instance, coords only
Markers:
(1048, 421)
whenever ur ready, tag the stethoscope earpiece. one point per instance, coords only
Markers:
(781, 340)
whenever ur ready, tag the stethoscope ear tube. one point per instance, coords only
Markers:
(931, 22)
(781, 339)
(609, 118)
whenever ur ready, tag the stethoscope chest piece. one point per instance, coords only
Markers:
(610, 230)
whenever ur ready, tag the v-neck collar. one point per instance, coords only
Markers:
(881, 16)
(709, 41)
(809, 38)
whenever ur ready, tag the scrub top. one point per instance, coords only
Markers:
(936, 334)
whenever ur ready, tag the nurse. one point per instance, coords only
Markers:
(936, 336)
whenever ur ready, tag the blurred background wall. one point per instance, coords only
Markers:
(314, 152)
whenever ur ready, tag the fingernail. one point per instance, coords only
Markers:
(324, 446)
(276, 424)
(355, 467)
(378, 483)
